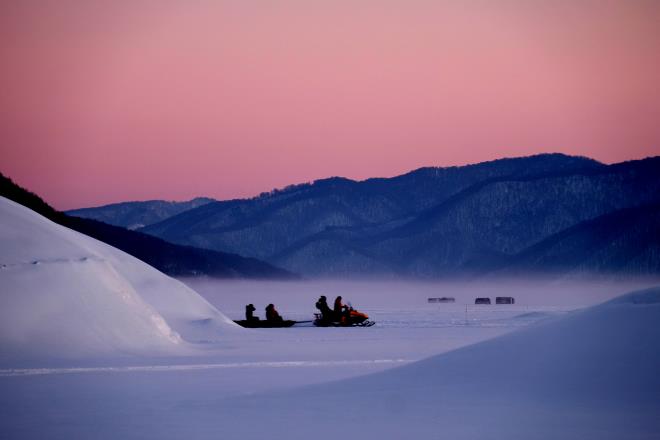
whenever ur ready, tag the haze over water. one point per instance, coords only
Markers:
(298, 297)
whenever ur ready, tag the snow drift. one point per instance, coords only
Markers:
(592, 374)
(67, 295)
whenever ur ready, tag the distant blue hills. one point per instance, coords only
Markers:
(549, 214)
(135, 215)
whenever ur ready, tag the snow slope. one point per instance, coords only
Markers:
(590, 375)
(66, 295)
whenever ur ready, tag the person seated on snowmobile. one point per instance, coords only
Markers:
(324, 308)
(340, 310)
(272, 315)
(249, 313)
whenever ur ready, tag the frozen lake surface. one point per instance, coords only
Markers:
(407, 326)
(161, 396)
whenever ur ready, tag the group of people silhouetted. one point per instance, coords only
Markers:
(338, 313)
(335, 314)
(271, 314)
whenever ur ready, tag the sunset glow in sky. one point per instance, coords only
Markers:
(106, 101)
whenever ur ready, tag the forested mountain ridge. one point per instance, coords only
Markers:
(431, 222)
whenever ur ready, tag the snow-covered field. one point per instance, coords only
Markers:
(408, 327)
(95, 344)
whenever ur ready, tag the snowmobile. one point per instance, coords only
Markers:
(350, 318)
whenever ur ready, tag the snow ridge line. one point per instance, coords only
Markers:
(189, 367)
(81, 259)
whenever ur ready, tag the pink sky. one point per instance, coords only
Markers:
(106, 101)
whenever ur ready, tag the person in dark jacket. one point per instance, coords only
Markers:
(249, 313)
(271, 314)
(324, 308)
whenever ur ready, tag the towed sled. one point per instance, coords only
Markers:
(256, 323)
(352, 318)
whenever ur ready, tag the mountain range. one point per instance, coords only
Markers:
(550, 213)
(135, 215)
(172, 259)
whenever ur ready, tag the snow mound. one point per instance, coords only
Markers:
(591, 374)
(66, 295)
(646, 296)
(535, 315)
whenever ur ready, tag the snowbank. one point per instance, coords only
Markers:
(592, 374)
(67, 295)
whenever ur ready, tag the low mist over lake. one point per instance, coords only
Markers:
(298, 297)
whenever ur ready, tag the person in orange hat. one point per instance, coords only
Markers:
(272, 315)
(339, 309)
